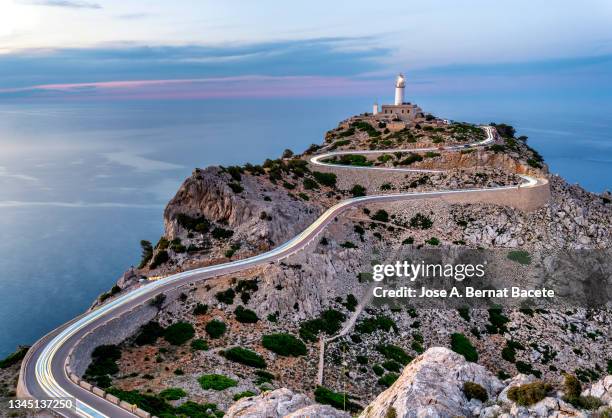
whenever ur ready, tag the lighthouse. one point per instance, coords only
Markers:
(400, 110)
(400, 83)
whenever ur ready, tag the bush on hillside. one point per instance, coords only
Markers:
(216, 382)
(529, 394)
(330, 322)
(245, 356)
(179, 333)
(244, 315)
(149, 333)
(284, 344)
(172, 394)
(326, 179)
(337, 400)
(393, 352)
(462, 345)
(215, 328)
(199, 345)
(475, 391)
(388, 379)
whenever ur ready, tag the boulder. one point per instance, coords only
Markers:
(432, 386)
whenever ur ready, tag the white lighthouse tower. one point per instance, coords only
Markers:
(400, 83)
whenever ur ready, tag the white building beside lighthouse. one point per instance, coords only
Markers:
(400, 109)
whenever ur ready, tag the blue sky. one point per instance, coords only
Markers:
(200, 48)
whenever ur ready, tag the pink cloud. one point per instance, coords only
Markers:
(219, 87)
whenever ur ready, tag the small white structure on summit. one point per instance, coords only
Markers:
(399, 110)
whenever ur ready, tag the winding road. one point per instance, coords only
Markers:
(43, 371)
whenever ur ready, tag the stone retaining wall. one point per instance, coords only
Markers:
(526, 199)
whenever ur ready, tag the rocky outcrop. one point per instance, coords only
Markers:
(281, 403)
(601, 389)
(260, 212)
(431, 386)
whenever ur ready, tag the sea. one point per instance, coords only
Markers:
(82, 182)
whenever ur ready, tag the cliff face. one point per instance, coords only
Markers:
(259, 212)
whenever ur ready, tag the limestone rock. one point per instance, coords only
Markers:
(431, 386)
(275, 404)
(601, 389)
(319, 411)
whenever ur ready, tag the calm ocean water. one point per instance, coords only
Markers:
(82, 183)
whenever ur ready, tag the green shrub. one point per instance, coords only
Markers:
(179, 333)
(246, 316)
(391, 413)
(529, 394)
(14, 358)
(417, 346)
(330, 322)
(147, 253)
(348, 244)
(526, 368)
(245, 356)
(509, 351)
(363, 360)
(380, 322)
(103, 365)
(358, 190)
(236, 187)
(226, 296)
(284, 344)
(199, 224)
(393, 352)
(160, 258)
(149, 333)
(310, 184)
(221, 233)
(215, 328)
(216, 382)
(152, 404)
(392, 366)
(408, 241)
(199, 345)
(245, 394)
(326, 179)
(378, 370)
(381, 215)
(433, 241)
(351, 302)
(200, 309)
(337, 400)
(172, 394)
(462, 345)
(162, 244)
(196, 410)
(475, 391)
(572, 389)
(464, 312)
(263, 377)
(521, 257)
(497, 321)
(420, 221)
(411, 158)
(388, 379)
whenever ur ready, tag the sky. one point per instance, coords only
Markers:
(208, 49)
